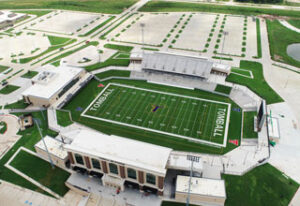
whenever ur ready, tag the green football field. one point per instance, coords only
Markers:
(201, 120)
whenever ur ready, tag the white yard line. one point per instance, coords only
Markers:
(155, 130)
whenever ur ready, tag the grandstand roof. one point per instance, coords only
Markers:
(177, 64)
(51, 80)
(131, 152)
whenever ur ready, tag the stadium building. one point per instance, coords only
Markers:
(8, 18)
(178, 64)
(122, 163)
(52, 83)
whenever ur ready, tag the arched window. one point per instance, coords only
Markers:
(151, 179)
(131, 173)
(113, 168)
(79, 159)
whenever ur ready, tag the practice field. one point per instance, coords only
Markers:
(200, 120)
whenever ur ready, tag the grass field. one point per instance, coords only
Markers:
(223, 89)
(54, 179)
(165, 6)
(100, 6)
(258, 36)
(63, 118)
(17, 105)
(295, 22)
(3, 127)
(3, 68)
(257, 84)
(98, 27)
(280, 37)
(29, 138)
(113, 73)
(90, 92)
(8, 89)
(112, 61)
(248, 129)
(264, 185)
(34, 12)
(29, 74)
(172, 114)
(52, 39)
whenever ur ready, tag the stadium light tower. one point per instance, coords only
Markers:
(225, 33)
(192, 159)
(39, 129)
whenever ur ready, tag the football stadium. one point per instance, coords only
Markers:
(196, 119)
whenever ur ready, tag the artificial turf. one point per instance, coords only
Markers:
(161, 112)
(41, 171)
(113, 73)
(89, 93)
(223, 89)
(248, 128)
(257, 84)
(63, 118)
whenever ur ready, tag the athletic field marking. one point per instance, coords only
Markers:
(147, 120)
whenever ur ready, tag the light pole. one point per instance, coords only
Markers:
(192, 159)
(142, 27)
(224, 35)
(46, 148)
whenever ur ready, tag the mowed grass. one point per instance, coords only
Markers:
(295, 22)
(264, 185)
(248, 128)
(17, 105)
(113, 73)
(90, 92)
(33, 12)
(3, 68)
(41, 171)
(166, 6)
(8, 89)
(176, 115)
(100, 6)
(56, 40)
(29, 138)
(63, 118)
(280, 37)
(223, 89)
(29, 74)
(257, 84)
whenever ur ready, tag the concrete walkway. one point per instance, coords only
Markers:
(289, 26)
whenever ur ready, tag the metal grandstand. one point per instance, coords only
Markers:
(177, 64)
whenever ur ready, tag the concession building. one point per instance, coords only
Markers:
(51, 84)
(8, 18)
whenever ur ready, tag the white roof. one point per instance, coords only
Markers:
(177, 64)
(138, 154)
(201, 186)
(54, 147)
(181, 161)
(222, 68)
(50, 80)
(9, 16)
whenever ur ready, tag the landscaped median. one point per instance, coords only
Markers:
(56, 43)
(257, 84)
(115, 59)
(59, 57)
(8, 89)
(3, 127)
(28, 139)
(41, 171)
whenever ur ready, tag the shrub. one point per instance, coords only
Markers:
(209, 39)
(206, 45)
(244, 43)
(244, 49)
(173, 41)
(217, 46)
(218, 40)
